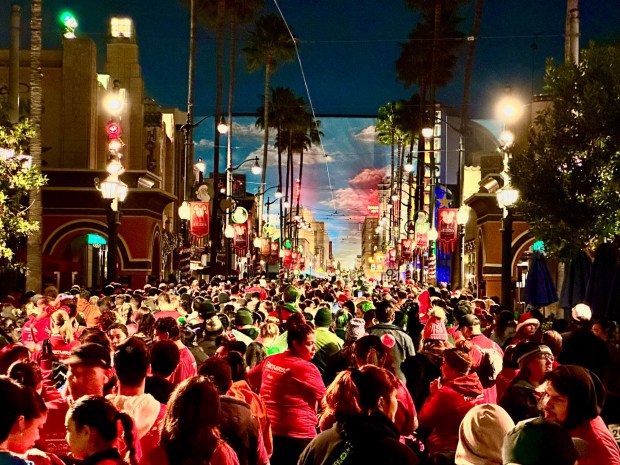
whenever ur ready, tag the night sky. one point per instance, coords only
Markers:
(348, 49)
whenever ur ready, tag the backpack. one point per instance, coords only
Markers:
(491, 364)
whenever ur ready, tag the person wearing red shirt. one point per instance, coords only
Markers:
(291, 388)
(168, 329)
(471, 330)
(450, 398)
(89, 370)
(63, 338)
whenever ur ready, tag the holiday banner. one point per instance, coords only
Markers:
(274, 255)
(421, 232)
(199, 218)
(406, 249)
(265, 248)
(287, 259)
(390, 259)
(448, 232)
(240, 239)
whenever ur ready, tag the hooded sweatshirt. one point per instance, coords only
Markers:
(445, 408)
(481, 435)
(148, 415)
(371, 438)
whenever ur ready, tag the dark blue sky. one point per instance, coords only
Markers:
(348, 49)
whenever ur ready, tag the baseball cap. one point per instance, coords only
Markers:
(540, 441)
(89, 354)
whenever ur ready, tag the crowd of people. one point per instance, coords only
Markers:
(308, 372)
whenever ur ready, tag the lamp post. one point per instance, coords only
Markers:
(114, 190)
(462, 218)
(507, 196)
(509, 110)
(229, 230)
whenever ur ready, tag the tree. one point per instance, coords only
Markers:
(569, 172)
(218, 15)
(17, 184)
(34, 278)
(282, 105)
(269, 44)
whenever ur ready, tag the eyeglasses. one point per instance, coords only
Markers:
(547, 357)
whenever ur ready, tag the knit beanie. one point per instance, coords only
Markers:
(435, 327)
(481, 435)
(458, 360)
(527, 351)
(323, 317)
(355, 329)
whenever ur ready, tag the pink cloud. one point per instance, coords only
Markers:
(368, 178)
(355, 202)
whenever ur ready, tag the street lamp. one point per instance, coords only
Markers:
(509, 110)
(114, 190)
(462, 218)
(507, 196)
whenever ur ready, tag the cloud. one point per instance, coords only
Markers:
(352, 201)
(248, 130)
(368, 178)
(314, 156)
(203, 144)
(368, 134)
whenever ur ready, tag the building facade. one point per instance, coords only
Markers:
(76, 218)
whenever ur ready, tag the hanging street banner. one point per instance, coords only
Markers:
(274, 256)
(406, 249)
(448, 232)
(240, 239)
(199, 218)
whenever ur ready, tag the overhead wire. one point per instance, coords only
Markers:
(303, 76)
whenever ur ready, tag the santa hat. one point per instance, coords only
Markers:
(435, 328)
(527, 319)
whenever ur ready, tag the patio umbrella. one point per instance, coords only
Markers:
(539, 288)
(601, 292)
(575, 281)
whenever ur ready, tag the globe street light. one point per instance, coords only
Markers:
(114, 190)
(509, 109)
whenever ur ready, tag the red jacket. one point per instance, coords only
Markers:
(445, 408)
(483, 342)
(291, 389)
(601, 445)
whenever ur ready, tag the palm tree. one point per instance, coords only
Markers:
(282, 104)
(269, 44)
(419, 60)
(34, 258)
(217, 15)
(306, 133)
(386, 129)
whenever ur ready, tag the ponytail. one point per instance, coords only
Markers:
(64, 324)
(99, 414)
(129, 436)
